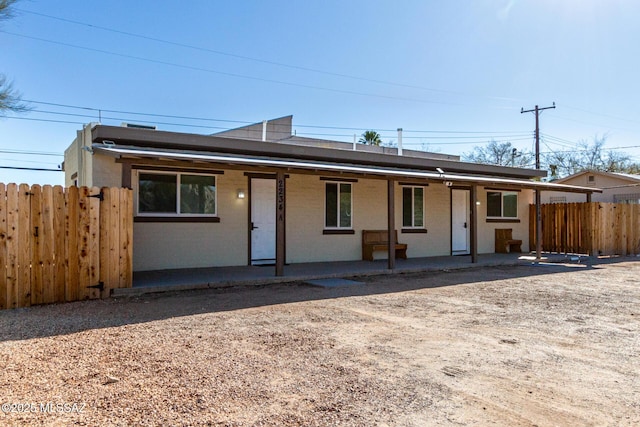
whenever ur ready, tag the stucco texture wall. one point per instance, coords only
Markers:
(305, 221)
(159, 246)
(486, 230)
(605, 182)
(190, 245)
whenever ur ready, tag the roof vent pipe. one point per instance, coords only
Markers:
(354, 142)
(399, 141)
(264, 130)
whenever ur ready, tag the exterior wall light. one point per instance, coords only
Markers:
(240, 194)
(477, 202)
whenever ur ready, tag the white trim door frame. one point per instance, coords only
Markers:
(263, 221)
(460, 222)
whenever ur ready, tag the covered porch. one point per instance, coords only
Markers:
(200, 278)
(393, 174)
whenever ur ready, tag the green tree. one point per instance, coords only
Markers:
(370, 137)
(10, 99)
(499, 153)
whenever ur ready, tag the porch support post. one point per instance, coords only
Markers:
(588, 197)
(391, 227)
(538, 227)
(126, 175)
(280, 223)
(474, 223)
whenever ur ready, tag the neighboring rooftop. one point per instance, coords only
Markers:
(281, 131)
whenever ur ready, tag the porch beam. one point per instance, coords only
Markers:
(473, 195)
(280, 222)
(391, 227)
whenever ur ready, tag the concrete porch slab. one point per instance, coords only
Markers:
(145, 282)
(333, 283)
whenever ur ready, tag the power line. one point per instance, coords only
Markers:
(31, 169)
(248, 58)
(223, 73)
(601, 114)
(27, 161)
(136, 113)
(44, 120)
(38, 153)
(503, 134)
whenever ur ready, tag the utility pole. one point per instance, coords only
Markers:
(537, 111)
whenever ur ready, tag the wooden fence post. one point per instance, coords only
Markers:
(59, 243)
(3, 247)
(72, 245)
(23, 243)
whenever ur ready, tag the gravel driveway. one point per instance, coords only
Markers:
(528, 345)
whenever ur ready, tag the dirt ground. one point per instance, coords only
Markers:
(529, 345)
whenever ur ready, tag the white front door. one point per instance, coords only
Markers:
(460, 222)
(263, 221)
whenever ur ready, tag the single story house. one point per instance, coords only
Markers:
(261, 195)
(616, 188)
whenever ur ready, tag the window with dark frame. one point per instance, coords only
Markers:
(412, 207)
(170, 193)
(502, 204)
(338, 205)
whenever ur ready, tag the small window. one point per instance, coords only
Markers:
(502, 204)
(176, 194)
(412, 207)
(630, 199)
(337, 205)
(591, 180)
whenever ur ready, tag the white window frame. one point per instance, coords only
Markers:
(178, 176)
(337, 227)
(413, 208)
(502, 194)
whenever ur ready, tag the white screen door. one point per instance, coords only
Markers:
(460, 222)
(263, 221)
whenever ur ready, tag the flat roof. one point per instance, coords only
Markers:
(194, 142)
(133, 152)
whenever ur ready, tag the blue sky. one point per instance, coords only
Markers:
(452, 74)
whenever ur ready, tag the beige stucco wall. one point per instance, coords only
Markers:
(437, 240)
(601, 181)
(175, 245)
(159, 246)
(71, 165)
(486, 230)
(305, 221)
(79, 160)
(190, 245)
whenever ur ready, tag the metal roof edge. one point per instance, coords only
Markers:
(187, 141)
(119, 151)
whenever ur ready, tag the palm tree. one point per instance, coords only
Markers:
(370, 137)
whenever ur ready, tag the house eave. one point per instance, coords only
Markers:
(133, 154)
(193, 142)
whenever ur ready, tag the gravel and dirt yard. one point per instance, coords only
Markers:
(516, 346)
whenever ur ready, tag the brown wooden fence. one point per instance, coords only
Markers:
(61, 244)
(588, 228)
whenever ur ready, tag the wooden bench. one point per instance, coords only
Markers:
(505, 242)
(377, 240)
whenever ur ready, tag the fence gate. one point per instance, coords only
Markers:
(60, 244)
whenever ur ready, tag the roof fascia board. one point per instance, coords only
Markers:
(186, 141)
(334, 167)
